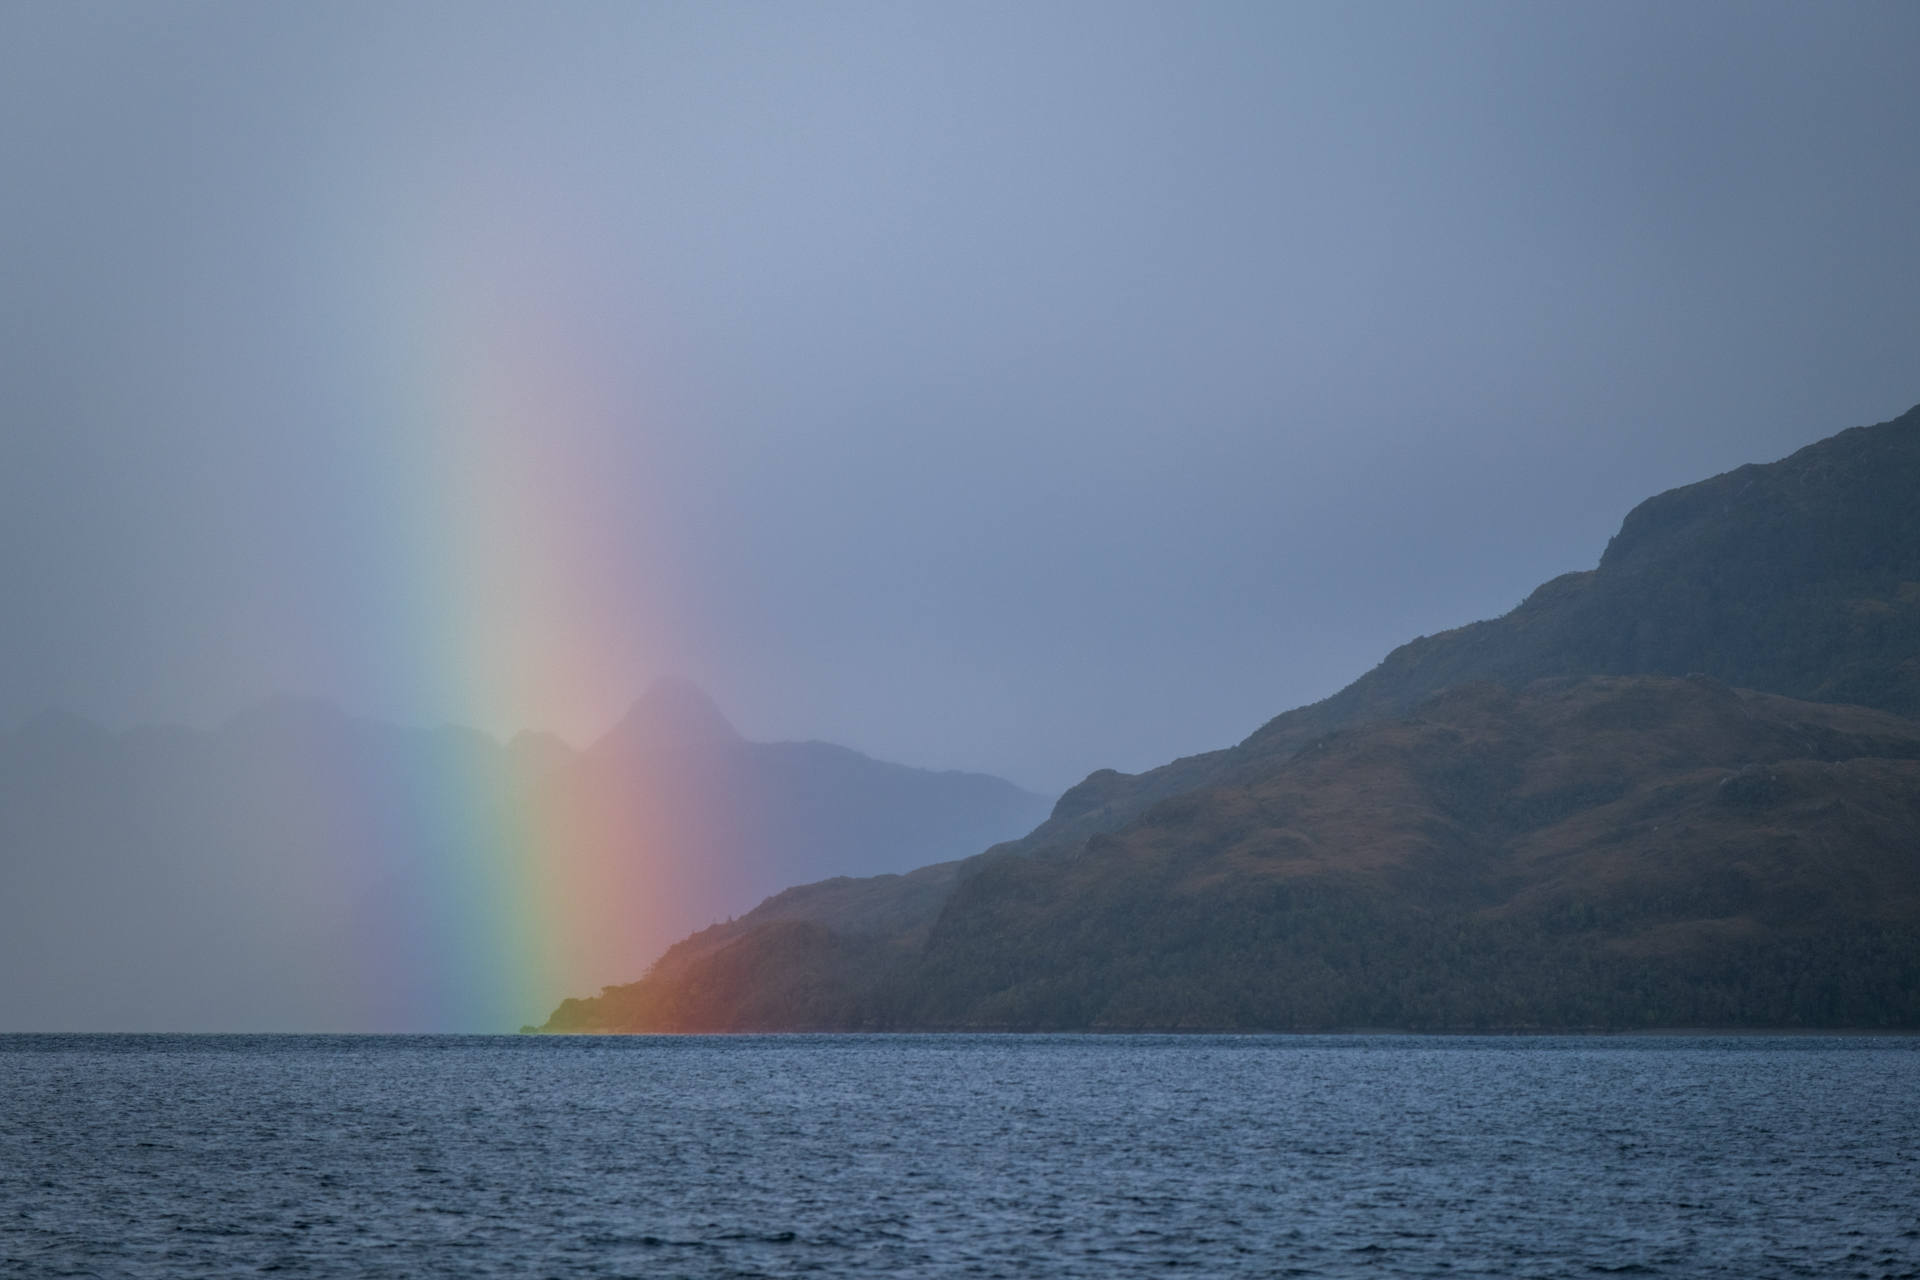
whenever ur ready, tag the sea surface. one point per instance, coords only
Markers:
(958, 1156)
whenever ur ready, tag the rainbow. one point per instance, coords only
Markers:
(500, 879)
(500, 542)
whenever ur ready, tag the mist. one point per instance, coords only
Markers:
(1026, 389)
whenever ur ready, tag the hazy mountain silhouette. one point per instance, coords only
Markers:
(283, 871)
(1542, 846)
(673, 715)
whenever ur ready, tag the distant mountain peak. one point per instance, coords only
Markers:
(676, 713)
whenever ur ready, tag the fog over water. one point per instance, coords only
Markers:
(1019, 388)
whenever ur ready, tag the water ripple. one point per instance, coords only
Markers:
(948, 1155)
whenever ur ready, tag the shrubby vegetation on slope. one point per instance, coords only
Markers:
(1799, 577)
(1619, 852)
(1478, 833)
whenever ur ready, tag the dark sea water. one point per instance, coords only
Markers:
(958, 1156)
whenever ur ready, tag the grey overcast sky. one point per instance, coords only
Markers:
(1021, 387)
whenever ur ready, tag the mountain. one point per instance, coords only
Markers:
(673, 715)
(762, 814)
(1500, 862)
(1799, 577)
(1597, 851)
(299, 869)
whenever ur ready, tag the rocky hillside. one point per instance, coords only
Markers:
(1798, 579)
(1588, 852)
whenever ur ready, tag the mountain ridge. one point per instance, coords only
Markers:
(1581, 854)
(301, 869)
(1799, 577)
(1542, 635)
